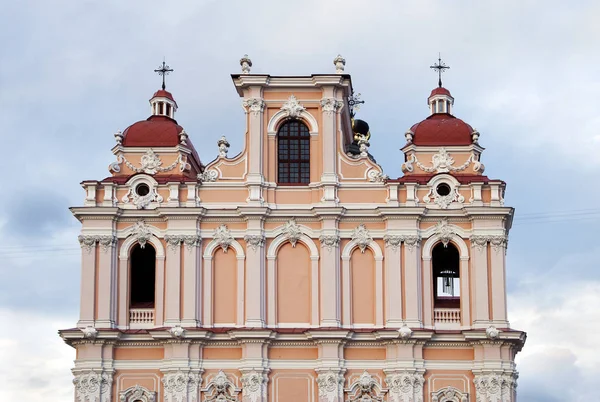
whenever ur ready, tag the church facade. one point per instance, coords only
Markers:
(296, 270)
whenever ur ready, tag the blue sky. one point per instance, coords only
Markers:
(524, 73)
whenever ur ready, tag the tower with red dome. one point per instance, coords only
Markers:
(296, 270)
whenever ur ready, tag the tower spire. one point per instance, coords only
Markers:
(440, 66)
(162, 71)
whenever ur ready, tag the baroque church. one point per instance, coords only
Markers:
(297, 270)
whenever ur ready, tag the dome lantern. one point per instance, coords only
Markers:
(162, 102)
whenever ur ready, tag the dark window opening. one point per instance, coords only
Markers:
(443, 189)
(293, 153)
(142, 189)
(446, 276)
(142, 279)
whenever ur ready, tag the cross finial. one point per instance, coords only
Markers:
(440, 67)
(162, 71)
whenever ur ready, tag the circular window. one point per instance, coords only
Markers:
(142, 189)
(443, 189)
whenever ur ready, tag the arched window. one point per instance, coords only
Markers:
(446, 276)
(143, 267)
(293, 156)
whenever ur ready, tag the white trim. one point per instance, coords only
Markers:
(130, 241)
(210, 248)
(282, 114)
(455, 239)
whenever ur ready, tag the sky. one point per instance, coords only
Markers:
(524, 73)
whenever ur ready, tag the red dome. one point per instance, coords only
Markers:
(442, 129)
(440, 91)
(163, 94)
(156, 131)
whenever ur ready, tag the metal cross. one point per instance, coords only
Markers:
(354, 103)
(440, 67)
(162, 71)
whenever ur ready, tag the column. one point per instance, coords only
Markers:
(330, 107)
(107, 286)
(413, 282)
(192, 281)
(479, 271)
(498, 280)
(88, 280)
(173, 281)
(330, 275)
(393, 275)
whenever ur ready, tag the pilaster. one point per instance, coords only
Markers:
(479, 271)
(88, 281)
(416, 314)
(173, 281)
(107, 282)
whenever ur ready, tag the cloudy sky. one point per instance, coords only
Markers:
(524, 73)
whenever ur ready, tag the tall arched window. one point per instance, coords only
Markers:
(446, 276)
(293, 156)
(142, 279)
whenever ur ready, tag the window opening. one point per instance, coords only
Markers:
(446, 274)
(293, 156)
(142, 278)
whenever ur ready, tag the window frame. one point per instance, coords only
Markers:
(303, 135)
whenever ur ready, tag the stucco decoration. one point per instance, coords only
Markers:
(393, 241)
(480, 242)
(93, 386)
(331, 386)
(292, 232)
(177, 332)
(329, 241)
(292, 108)
(223, 145)
(362, 237)
(89, 332)
(107, 242)
(220, 388)
(208, 175)
(365, 388)
(331, 105)
(412, 241)
(254, 241)
(141, 232)
(405, 332)
(449, 394)
(87, 242)
(150, 163)
(495, 387)
(376, 176)
(405, 386)
(254, 105)
(254, 387)
(141, 201)
(340, 64)
(443, 201)
(246, 63)
(445, 231)
(181, 386)
(441, 162)
(492, 332)
(223, 237)
(137, 393)
(498, 243)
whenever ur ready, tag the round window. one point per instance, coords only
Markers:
(142, 189)
(443, 189)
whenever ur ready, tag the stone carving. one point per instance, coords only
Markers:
(393, 241)
(364, 389)
(449, 394)
(475, 136)
(441, 162)
(492, 332)
(254, 105)
(177, 332)
(223, 237)
(376, 176)
(183, 137)
(293, 108)
(254, 386)
(443, 201)
(363, 146)
(208, 176)
(409, 135)
(142, 201)
(331, 105)
(220, 389)
(87, 242)
(181, 386)
(150, 163)
(93, 386)
(445, 231)
(340, 64)
(191, 241)
(292, 232)
(329, 241)
(331, 386)
(254, 241)
(479, 241)
(405, 332)
(173, 241)
(89, 332)
(119, 137)
(107, 242)
(223, 145)
(495, 387)
(405, 386)
(246, 63)
(411, 242)
(137, 393)
(142, 233)
(498, 243)
(362, 237)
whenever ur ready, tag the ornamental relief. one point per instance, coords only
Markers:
(220, 389)
(405, 387)
(150, 163)
(93, 386)
(442, 162)
(365, 389)
(331, 386)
